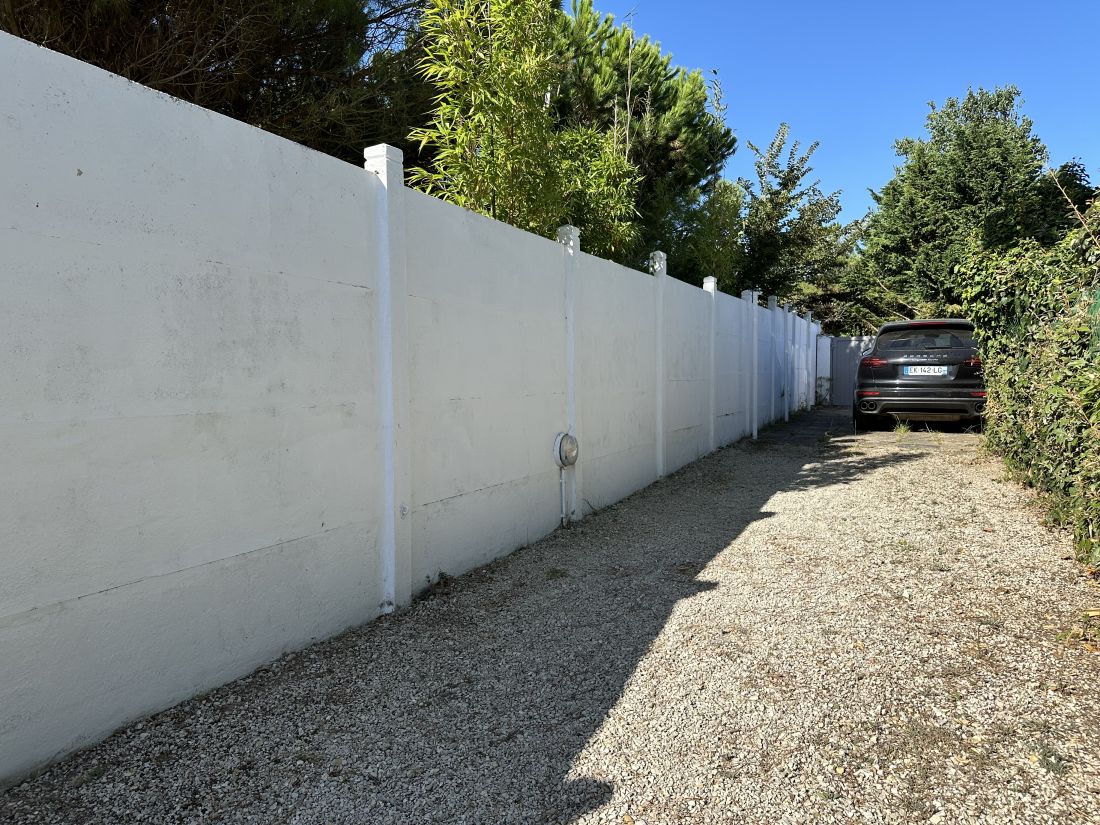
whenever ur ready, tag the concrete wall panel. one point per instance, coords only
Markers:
(732, 393)
(687, 376)
(189, 420)
(487, 379)
(616, 379)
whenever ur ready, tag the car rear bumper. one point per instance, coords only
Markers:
(945, 405)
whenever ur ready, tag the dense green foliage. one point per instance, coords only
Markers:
(494, 142)
(542, 118)
(612, 81)
(293, 67)
(706, 234)
(789, 223)
(979, 171)
(490, 135)
(1037, 310)
(777, 234)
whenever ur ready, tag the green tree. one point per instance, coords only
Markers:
(613, 81)
(293, 67)
(491, 132)
(494, 143)
(978, 171)
(711, 230)
(836, 291)
(789, 229)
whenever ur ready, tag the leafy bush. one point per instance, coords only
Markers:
(1037, 310)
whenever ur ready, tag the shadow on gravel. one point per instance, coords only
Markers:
(472, 705)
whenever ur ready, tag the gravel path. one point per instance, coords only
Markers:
(802, 629)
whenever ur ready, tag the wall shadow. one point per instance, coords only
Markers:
(472, 705)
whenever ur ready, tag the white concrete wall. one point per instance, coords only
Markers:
(687, 373)
(487, 387)
(252, 393)
(616, 380)
(733, 418)
(765, 358)
(189, 408)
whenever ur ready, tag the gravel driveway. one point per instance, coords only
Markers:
(802, 629)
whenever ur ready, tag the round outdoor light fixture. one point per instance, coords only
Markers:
(566, 450)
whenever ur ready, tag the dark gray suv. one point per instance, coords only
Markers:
(925, 370)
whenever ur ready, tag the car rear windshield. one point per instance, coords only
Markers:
(923, 338)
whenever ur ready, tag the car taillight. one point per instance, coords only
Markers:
(873, 362)
(978, 393)
(868, 392)
(973, 362)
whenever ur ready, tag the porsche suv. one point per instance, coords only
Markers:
(923, 370)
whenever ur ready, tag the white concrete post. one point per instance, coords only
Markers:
(773, 366)
(811, 360)
(796, 361)
(570, 239)
(396, 533)
(710, 285)
(658, 265)
(796, 376)
(788, 370)
(750, 296)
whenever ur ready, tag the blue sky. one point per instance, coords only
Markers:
(858, 75)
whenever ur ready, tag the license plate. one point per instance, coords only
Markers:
(922, 370)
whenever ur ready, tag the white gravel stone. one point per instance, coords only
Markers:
(802, 629)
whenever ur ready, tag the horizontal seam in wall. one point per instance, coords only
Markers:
(642, 445)
(504, 309)
(285, 274)
(172, 256)
(263, 410)
(506, 397)
(483, 489)
(688, 427)
(277, 545)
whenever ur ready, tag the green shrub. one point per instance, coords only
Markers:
(1038, 316)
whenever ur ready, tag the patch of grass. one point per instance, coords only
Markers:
(902, 551)
(1050, 760)
(442, 586)
(937, 436)
(1085, 633)
(90, 775)
(902, 429)
(309, 756)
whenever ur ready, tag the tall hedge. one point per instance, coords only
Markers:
(1037, 311)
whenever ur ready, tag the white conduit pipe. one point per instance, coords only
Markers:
(561, 482)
